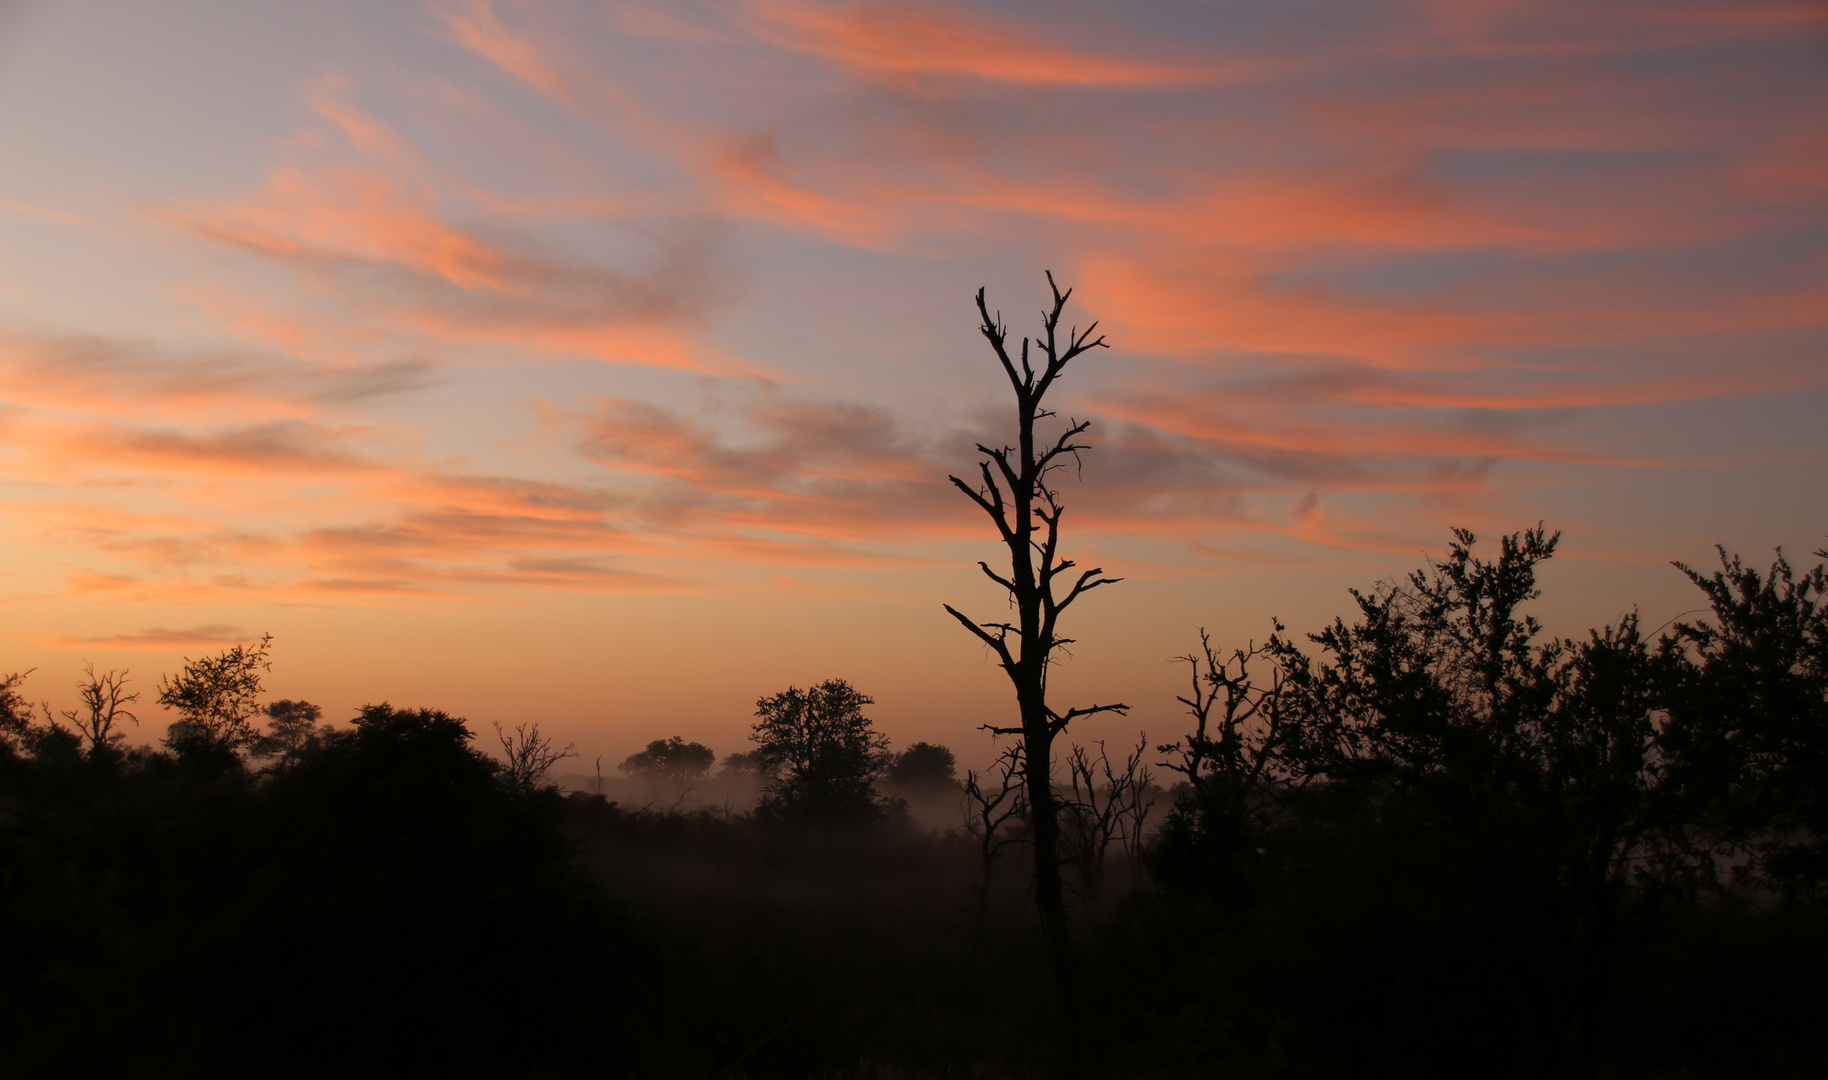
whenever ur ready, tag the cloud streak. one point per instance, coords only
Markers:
(161, 638)
(901, 42)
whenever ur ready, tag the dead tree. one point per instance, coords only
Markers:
(530, 755)
(1014, 491)
(1104, 805)
(1135, 813)
(991, 801)
(104, 705)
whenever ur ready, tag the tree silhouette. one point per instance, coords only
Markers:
(828, 753)
(1445, 733)
(1748, 732)
(1231, 762)
(1015, 493)
(750, 765)
(15, 711)
(291, 726)
(530, 755)
(992, 801)
(674, 760)
(924, 765)
(672, 763)
(1440, 676)
(215, 698)
(104, 705)
(1104, 804)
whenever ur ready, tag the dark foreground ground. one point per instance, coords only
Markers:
(387, 907)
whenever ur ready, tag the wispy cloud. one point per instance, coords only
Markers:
(386, 247)
(902, 41)
(94, 373)
(161, 638)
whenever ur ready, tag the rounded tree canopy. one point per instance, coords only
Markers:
(924, 765)
(672, 759)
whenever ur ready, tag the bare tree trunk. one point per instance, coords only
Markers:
(1050, 892)
(1026, 512)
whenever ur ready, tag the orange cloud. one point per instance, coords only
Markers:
(145, 508)
(475, 26)
(378, 242)
(747, 181)
(899, 40)
(1174, 308)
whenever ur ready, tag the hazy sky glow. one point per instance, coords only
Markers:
(603, 364)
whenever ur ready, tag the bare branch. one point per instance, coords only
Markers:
(1060, 720)
(1001, 457)
(104, 705)
(996, 643)
(996, 577)
(998, 336)
(993, 508)
(530, 755)
(987, 810)
(1086, 583)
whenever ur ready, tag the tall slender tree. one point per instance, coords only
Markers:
(1014, 490)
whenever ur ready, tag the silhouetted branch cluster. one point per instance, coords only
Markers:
(529, 754)
(104, 699)
(1104, 804)
(994, 810)
(216, 698)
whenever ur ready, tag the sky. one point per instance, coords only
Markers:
(602, 365)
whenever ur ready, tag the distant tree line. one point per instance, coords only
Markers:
(818, 759)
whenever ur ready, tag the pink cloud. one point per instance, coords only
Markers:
(389, 252)
(901, 40)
